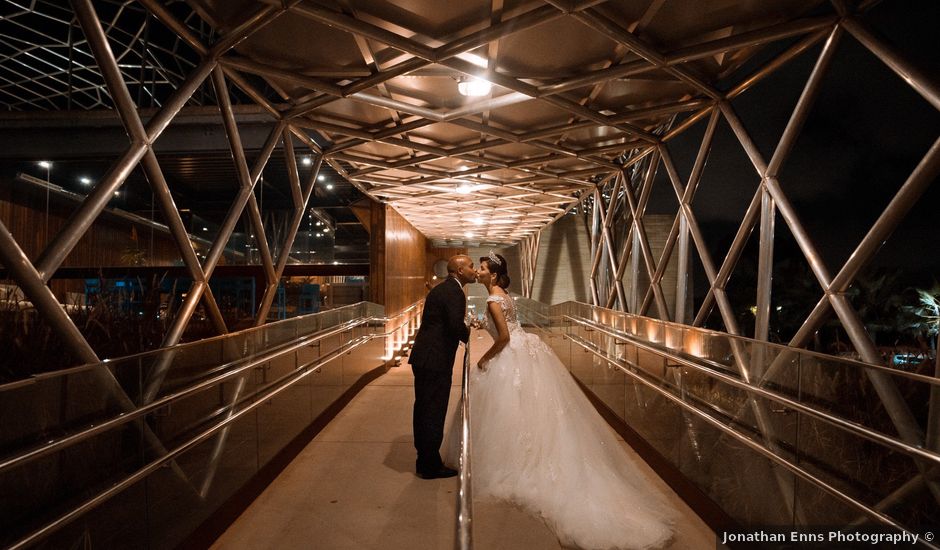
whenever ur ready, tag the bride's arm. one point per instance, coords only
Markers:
(502, 334)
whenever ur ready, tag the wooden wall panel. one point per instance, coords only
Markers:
(110, 242)
(377, 253)
(405, 262)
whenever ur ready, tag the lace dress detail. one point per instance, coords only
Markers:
(539, 443)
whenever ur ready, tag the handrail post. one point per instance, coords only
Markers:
(465, 491)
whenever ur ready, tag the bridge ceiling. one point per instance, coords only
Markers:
(576, 91)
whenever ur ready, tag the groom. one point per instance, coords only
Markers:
(432, 361)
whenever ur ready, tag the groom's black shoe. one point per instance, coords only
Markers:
(441, 472)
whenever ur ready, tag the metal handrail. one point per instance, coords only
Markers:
(259, 399)
(101, 427)
(225, 372)
(702, 365)
(782, 348)
(465, 490)
(38, 377)
(743, 438)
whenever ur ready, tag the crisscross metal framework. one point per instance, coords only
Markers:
(586, 98)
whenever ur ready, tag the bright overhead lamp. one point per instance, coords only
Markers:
(329, 187)
(85, 181)
(45, 164)
(466, 188)
(321, 177)
(473, 87)
(306, 161)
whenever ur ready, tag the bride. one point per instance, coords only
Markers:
(538, 442)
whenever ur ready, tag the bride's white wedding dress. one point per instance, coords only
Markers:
(538, 442)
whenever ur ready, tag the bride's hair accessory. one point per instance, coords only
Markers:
(494, 258)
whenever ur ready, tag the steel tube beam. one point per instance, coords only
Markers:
(923, 82)
(241, 166)
(765, 265)
(181, 236)
(750, 38)
(895, 406)
(907, 196)
(602, 24)
(98, 43)
(62, 244)
(785, 57)
(608, 243)
(643, 241)
(159, 11)
(803, 105)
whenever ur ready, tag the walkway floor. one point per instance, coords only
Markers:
(354, 487)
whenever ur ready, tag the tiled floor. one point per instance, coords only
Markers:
(353, 487)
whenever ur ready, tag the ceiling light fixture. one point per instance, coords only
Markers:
(473, 87)
(306, 161)
(465, 188)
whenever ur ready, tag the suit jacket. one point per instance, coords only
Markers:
(442, 327)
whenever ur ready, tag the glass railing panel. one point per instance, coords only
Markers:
(186, 393)
(785, 409)
(176, 504)
(37, 492)
(189, 364)
(117, 523)
(354, 362)
(607, 382)
(281, 418)
(326, 384)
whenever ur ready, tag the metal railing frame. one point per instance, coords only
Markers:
(241, 366)
(926, 460)
(626, 368)
(465, 489)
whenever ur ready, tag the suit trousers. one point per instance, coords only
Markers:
(432, 392)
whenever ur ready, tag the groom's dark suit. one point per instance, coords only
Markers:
(432, 361)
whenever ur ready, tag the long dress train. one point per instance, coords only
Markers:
(538, 442)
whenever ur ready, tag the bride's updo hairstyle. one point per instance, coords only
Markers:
(496, 264)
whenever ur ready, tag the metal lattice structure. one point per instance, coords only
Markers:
(586, 98)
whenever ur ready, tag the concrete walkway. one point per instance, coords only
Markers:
(354, 487)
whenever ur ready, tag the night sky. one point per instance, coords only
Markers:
(867, 131)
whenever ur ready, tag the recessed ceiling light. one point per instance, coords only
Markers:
(329, 186)
(321, 177)
(473, 87)
(45, 164)
(306, 161)
(85, 181)
(466, 188)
